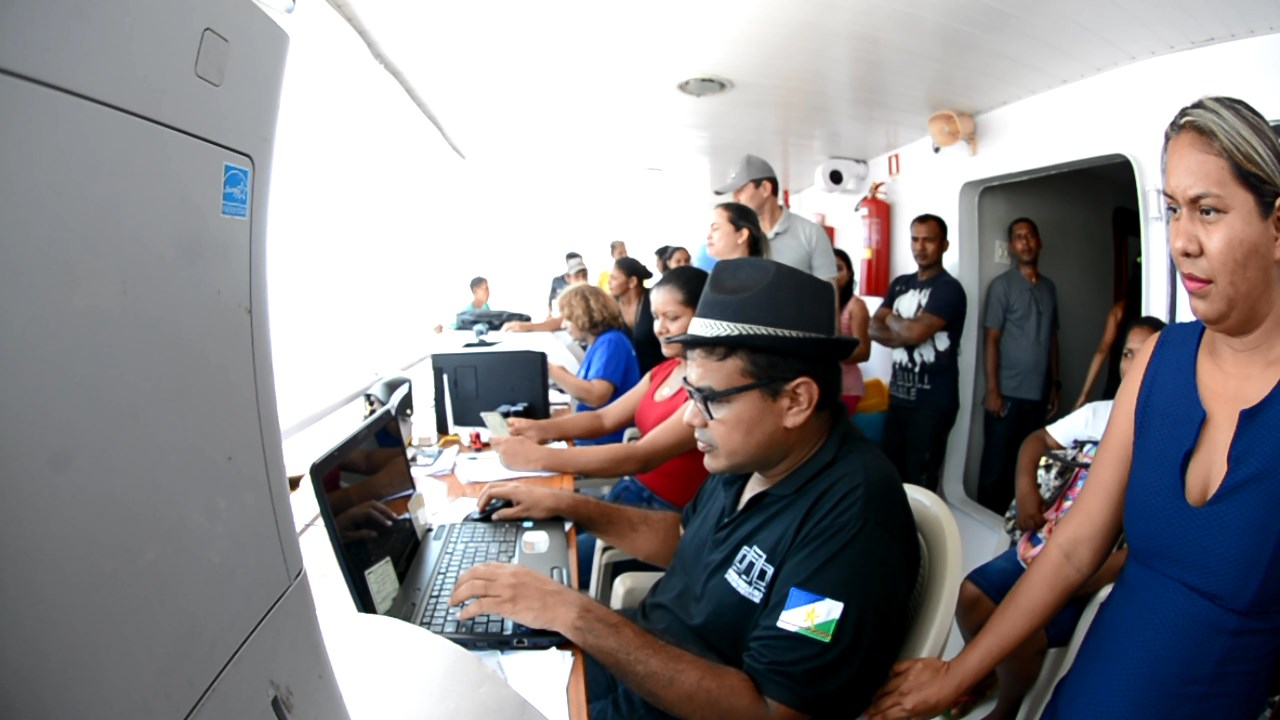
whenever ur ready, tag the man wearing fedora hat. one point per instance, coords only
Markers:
(787, 577)
(793, 240)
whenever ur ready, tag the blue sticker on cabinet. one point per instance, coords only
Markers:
(235, 191)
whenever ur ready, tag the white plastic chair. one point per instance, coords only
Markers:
(624, 591)
(933, 602)
(1058, 661)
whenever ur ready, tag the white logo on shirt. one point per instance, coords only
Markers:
(750, 574)
(909, 305)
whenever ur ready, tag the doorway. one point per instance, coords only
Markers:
(1087, 214)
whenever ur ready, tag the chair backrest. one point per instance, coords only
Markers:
(933, 603)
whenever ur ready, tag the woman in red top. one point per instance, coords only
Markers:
(663, 469)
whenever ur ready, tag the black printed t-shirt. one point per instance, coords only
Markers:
(838, 529)
(928, 375)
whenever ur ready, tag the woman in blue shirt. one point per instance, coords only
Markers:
(609, 368)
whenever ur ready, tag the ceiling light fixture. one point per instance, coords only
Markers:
(704, 86)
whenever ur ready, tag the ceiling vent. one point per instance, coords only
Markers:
(704, 86)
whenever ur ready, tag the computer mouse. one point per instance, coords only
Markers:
(486, 515)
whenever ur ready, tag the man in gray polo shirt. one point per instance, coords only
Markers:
(1021, 362)
(793, 240)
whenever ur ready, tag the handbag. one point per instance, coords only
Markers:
(1057, 470)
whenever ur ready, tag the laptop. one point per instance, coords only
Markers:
(400, 572)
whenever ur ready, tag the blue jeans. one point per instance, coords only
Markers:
(627, 491)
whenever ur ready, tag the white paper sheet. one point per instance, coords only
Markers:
(454, 512)
(442, 465)
(492, 659)
(542, 679)
(486, 467)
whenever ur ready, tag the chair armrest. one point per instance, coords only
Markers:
(630, 588)
(602, 569)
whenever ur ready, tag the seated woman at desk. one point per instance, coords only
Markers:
(609, 369)
(626, 283)
(663, 470)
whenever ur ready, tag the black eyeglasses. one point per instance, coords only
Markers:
(703, 400)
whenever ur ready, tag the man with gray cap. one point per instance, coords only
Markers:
(793, 240)
(788, 575)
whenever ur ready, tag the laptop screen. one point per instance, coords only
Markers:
(354, 484)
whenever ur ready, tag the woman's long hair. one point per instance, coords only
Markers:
(846, 291)
(742, 218)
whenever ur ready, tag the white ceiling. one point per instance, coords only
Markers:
(581, 85)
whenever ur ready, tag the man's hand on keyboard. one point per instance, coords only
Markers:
(532, 503)
(517, 593)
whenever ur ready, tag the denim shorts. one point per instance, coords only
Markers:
(996, 578)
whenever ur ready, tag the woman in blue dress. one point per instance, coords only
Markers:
(1188, 466)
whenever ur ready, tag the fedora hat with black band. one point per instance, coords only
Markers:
(759, 304)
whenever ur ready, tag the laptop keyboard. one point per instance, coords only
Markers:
(469, 544)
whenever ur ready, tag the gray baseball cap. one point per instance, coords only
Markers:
(748, 168)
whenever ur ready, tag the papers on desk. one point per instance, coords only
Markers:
(486, 467)
(540, 676)
(442, 465)
(455, 512)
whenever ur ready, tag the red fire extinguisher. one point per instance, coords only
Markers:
(874, 280)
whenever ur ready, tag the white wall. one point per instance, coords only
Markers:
(376, 226)
(1123, 111)
(524, 224)
(356, 237)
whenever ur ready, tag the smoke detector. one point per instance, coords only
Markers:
(704, 86)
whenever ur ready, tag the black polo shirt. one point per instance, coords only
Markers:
(834, 539)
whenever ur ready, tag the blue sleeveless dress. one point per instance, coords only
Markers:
(1192, 628)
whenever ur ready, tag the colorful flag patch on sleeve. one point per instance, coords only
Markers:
(810, 615)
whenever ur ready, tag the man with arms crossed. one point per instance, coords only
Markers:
(789, 574)
(922, 318)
